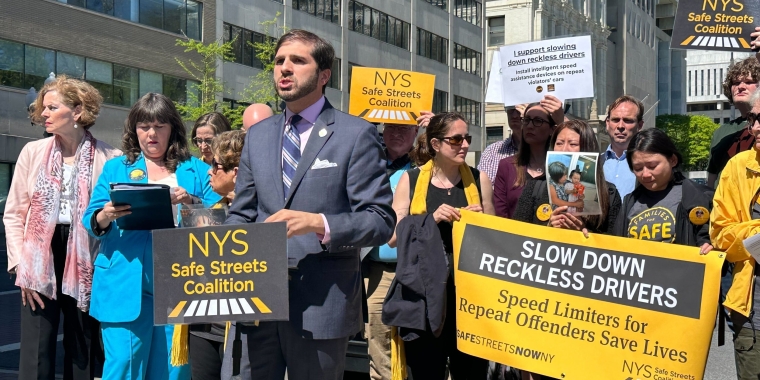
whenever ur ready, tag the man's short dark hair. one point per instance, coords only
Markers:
(737, 70)
(627, 99)
(322, 52)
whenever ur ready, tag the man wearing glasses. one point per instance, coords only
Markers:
(625, 118)
(734, 137)
(489, 161)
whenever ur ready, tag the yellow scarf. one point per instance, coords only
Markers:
(179, 351)
(419, 207)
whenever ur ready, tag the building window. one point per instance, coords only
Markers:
(126, 85)
(25, 66)
(432, 46)
(708, 82)
(440, 101)
(243, 44)
(334, 81)
(324, 9)
(371, 22)
(726, 120)
(100, 75)
(716, 120)
(6, 174)
(689, 86)
(496, 31)
(494, 134)
(438, 3)
(702, 82)
(715, 82)
(175, 16)
(469, 10)
(38, 64)
(466, 59)
(469, 108)
(11, 64)
(151, 82)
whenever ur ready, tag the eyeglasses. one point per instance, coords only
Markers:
(537, 121)
(216, 165)
(199, 141)
(457, 140)
(625, 120)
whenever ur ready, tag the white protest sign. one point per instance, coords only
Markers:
(494, 91)
(560, 67)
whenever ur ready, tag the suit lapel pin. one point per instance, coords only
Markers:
(322, 132)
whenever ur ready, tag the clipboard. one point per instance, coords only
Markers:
(151, 206)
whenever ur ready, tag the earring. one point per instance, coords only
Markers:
(75, 126)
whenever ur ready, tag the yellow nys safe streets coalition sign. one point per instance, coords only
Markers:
(553, 302)
(715, 24)
(390, 96)
(220, 273)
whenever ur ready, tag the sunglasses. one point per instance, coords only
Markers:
(199, 141)
(216, 165)
(457, 140)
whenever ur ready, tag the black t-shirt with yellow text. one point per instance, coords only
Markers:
(653, 215)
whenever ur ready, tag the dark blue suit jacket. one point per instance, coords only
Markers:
(355, 196)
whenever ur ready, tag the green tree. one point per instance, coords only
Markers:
(261, 88)
(206, 92)
(692, 135)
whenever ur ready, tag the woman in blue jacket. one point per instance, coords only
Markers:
(155, 151)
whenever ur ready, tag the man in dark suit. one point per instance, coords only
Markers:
(323, 173)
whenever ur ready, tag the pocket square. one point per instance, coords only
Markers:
(321, 164)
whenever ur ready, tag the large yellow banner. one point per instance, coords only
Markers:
(553, 302)
(390, 96)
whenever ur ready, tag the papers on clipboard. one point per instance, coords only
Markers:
(151, 206)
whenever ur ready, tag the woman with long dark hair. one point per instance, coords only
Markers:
(515, 171)
(156, 151)
(442, 185)
(571, 136)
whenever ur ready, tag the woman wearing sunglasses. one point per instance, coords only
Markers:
(206, 341)
(515, 171)
(206, 128)
(442, 185)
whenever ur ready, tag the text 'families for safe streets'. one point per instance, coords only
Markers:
(560, 67)
(555, 305)
(715, 24)
(220, 273)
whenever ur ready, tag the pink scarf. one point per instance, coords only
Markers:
(35, 269)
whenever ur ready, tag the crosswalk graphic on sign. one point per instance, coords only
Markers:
(390, 115)
(716, 41)
(230, 306)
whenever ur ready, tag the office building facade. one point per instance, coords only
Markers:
(706, 71)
